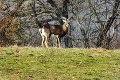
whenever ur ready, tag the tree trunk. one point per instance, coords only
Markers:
(103, 32)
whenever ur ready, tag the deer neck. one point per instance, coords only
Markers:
(65, 26)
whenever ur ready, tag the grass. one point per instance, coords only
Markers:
(35, 63)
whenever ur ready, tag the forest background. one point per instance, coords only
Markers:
(93, 23)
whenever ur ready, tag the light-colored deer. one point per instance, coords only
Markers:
(59, 30)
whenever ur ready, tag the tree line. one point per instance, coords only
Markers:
(94, 23)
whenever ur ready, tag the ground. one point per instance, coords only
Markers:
(36, 63)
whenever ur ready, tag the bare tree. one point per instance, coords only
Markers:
(5, 23)
(105, 27)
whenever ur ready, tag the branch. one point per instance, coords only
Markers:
(103, 33)
(96, 14)
(17, 7)
(52, 3)
(113, 17)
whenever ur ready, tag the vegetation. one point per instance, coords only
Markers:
(36, 63)
(93, 23)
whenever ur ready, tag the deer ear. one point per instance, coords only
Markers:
(64, 20)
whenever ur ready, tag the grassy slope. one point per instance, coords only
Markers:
(28, 63)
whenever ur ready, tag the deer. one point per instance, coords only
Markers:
(59, 30)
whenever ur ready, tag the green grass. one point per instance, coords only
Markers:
(35, 63)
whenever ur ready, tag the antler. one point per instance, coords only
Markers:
(69, 18)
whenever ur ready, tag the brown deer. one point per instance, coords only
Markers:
(59, 30)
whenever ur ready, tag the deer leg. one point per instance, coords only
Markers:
(43, 37)
(59, 42)
(46, 41)
(43, 40)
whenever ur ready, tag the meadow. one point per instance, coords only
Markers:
(36, 63)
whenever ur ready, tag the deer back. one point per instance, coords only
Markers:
(55, 29)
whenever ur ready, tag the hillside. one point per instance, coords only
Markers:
(35, 63)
